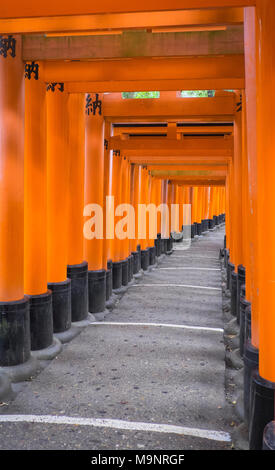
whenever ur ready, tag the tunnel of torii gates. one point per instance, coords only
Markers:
(68, 140)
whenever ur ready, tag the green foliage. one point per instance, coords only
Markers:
(197, 93)
(140, 94)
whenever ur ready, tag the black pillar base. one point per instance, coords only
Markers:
(166, 245)
(269, 436)
(262, 409)
(145, 259)
(61, 304)
(15, 339)
(199, 229)
(78, 273)
(158, 247)
(124, 264)
(233, 290)
(205, 225)
(216, 221)
(109, 279)
(170, 244)
(230, 269)
(139, 257)
(211, 224)
(240, 282)
(117, 274)
(130, 268)
(226, 258)
(108, 283)
(247, 324)
(244, 304)
(193, 230)
(163, 245)
(251, 363)
(135, 263)
(97, 290)
(41, 321)
(152, 255)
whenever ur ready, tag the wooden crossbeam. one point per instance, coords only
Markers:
(168, 107)
(213, 145)
(134, 44)
(29, 8)
(121, 21)
(124, 70)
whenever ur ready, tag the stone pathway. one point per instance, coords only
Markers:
(149, 376)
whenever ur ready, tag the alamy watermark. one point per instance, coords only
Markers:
(142, 222)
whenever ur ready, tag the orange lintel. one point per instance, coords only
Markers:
(101, 86)
(29, 8)
(106, 22)
(218, 67)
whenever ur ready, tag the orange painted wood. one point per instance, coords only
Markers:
(265, 35)
(57, 186)
(218, 67)
(76, 162)
(35, 188)
(12, 176)
(250, 30)
(94, 182)
(117, 21)
(69, 7)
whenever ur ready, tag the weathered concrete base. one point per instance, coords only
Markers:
(85, 322)
(110, 304)
(121, 290)
(48, 353)
(23, 371)
(240, 437)
(68, 335)
(231, 328)
(101, 315)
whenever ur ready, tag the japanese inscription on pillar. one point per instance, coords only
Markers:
(93, 105)
(7, 46)
(32, 69)
(52, 86)
(240, 104)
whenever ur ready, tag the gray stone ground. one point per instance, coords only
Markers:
(138, 373)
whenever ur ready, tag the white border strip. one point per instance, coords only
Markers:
(165, 325)
(118, 424)
(190, 268)
(176, 285)
(195, 257)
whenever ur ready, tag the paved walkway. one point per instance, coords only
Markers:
(150, 376)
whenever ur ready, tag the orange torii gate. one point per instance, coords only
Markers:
(248, 182)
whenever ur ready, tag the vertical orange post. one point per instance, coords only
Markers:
(12, 175)
(57, 208)
(93, 202)
(252, 282)
(124, 245)
(117, 247)
(237, 186)
(265, 188)
(14, 307)
(152, 222)
(76, 161)
(144, 200)
(77, 269)
(108, 216)
(108, 243)
(181, 201)
(35, 212)
(263, 382)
